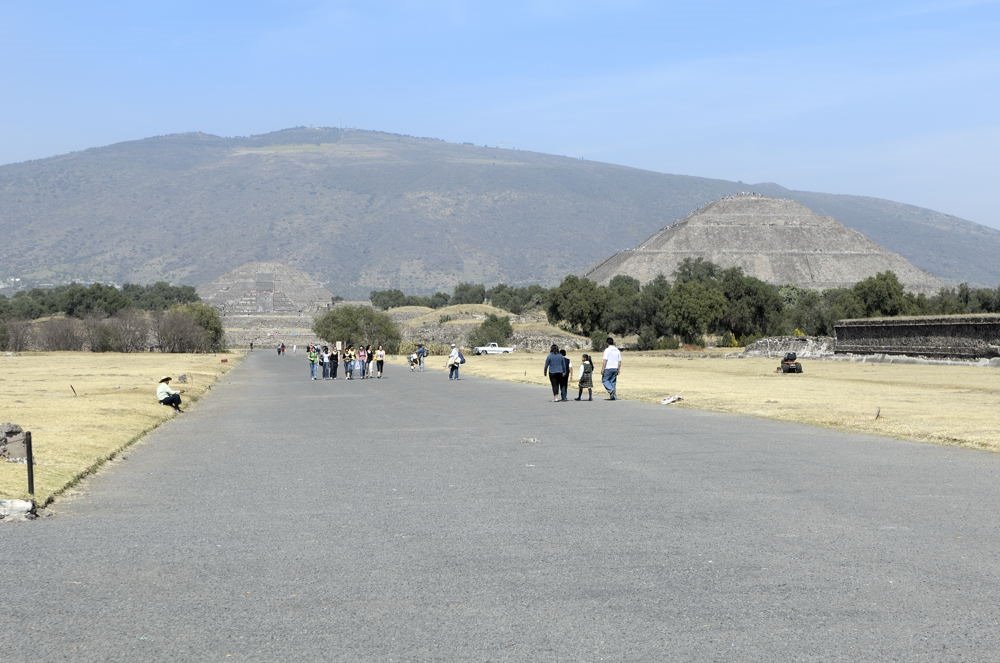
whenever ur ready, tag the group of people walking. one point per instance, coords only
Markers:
(558, 367)
(360, 363)
(364, 362)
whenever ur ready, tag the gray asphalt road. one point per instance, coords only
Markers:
(413, 518)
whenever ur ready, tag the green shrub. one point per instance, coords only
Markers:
(647, 337)
(493, 330)
(668, 343)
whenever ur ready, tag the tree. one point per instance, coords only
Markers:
(358, 325)
(60, 334)
(177, 331)
(516, 300)
(493, 330)
(693, 309)
(469, 293)
(696, 269)
(387, 299)
(131, 330)
(100, 335)
(438, 300)
(622, 315)
(158, 297)
(128, 331)
(208, 319)
(579, 302)
(804, 310)
(840, 304)
(881, 295)
(18, 335)
(194, 327)
(753, 308)
(652, 299)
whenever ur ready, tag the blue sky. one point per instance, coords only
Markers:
(899, 100)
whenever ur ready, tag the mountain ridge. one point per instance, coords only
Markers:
(362, 210)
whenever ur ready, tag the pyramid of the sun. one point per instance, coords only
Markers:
(778, 241)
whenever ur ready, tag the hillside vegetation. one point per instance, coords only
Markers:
(364, 211)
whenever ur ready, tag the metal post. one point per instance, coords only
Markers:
(31, 463)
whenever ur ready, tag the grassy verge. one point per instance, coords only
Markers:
(957, 405)
(83, 408)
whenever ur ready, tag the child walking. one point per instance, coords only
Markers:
(586, 378)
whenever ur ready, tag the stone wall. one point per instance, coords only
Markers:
(963, 336)
(806, 347)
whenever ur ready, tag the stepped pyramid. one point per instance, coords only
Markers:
(265, 288)
(776, 240)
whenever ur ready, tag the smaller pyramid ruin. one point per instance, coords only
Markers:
(265, 288)
(776, 240)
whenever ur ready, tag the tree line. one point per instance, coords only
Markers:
(104, 318)
(704, 299)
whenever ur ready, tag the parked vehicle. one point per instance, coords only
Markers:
(491, 349)
(790, 364)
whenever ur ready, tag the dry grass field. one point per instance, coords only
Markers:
(114, 404)
(956, 405)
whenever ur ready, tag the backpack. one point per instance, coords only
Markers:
(461, 357)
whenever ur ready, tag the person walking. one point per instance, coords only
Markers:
(349, 362)
(361, 360)
(454, 361)
(334, 362)
(567, 372)
(586, 378)
(324, 362)
(611, 367)
(421, 356)
(313, 358)
(555, 365)
(379, 361)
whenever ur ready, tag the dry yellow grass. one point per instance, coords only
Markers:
(958, 405)
(459, 313)
(114, 404)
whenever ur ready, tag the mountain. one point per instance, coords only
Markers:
(776, 240)
(361, 210)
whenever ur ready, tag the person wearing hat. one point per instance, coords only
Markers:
(454, 361)
(168, 396)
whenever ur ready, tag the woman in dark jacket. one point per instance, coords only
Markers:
(555, 365)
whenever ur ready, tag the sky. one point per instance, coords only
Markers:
(892, 99)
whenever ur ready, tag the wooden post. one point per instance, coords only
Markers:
(31, 463)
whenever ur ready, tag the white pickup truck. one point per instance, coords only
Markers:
(491, 349)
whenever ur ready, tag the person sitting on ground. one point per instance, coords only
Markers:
(167, 396)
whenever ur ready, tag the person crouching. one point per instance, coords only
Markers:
(167, 396)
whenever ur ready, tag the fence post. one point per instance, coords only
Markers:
(31, 463)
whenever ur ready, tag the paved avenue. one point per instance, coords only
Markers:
(417, 519)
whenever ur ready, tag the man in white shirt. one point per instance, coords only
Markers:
(611, 366)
